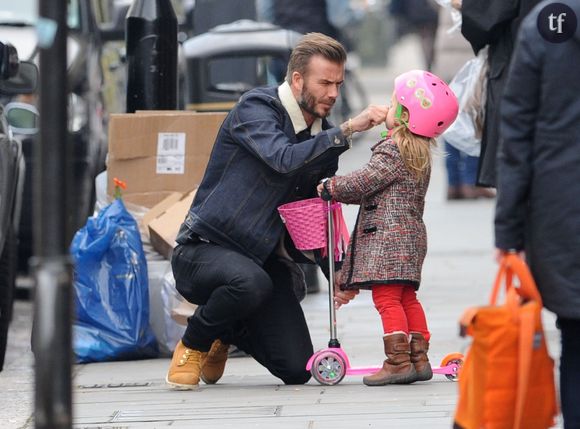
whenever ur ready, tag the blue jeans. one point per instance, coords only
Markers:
(245, 304)
(461, 168)
(570, 372)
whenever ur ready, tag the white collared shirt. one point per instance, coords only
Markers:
(293, 109)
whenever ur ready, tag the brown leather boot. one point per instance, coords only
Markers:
(185, 367)
(397, 368)
(419, 349)
(214, 365)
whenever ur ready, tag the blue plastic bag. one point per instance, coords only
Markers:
(111, 289)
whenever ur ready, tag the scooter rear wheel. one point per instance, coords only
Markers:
(453, 358)
(328, 368)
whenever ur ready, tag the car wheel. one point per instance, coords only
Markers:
(7, 285)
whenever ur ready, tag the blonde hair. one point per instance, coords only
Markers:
(310, 45)
(414, 149)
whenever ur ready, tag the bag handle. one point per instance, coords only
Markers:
(527, 321)
(511, 264)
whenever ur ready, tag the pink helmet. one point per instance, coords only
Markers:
(432, 105)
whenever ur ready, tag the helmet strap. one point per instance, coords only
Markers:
(399, 114)
(386, 134)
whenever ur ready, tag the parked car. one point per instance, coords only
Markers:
(87, 115)
(15, 78)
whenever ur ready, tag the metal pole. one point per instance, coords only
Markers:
(52, 344)
(333, 342)
(51, 336)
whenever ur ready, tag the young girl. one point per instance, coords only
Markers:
(389, 243)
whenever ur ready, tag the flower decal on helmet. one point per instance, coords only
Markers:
(426, 103)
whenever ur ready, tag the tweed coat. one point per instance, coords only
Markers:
(389, 241)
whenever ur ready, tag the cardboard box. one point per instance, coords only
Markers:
(160, 208)
(164, 228)
(157, 153)
(145, 200)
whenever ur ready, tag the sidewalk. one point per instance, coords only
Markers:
(458, 273)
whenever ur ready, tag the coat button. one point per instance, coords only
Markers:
(336, 140)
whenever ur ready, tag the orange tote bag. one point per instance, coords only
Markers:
(507, 380)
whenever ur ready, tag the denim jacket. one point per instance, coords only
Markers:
(257, 164)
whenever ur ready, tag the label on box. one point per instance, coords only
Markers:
(171, 153)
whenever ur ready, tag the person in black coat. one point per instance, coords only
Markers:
(492, 23)
(538, 199)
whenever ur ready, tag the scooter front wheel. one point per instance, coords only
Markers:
(453, 358)
(328, 368)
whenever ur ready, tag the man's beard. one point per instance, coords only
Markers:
(308, 103)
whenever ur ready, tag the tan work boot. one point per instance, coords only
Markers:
(185, 367)
(213, 367)
(419, 358)
(397, 368)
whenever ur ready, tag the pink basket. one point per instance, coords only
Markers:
(306, 222)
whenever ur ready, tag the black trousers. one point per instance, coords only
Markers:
(570, 372)
(244, 304)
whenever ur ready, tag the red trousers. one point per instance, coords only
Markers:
(400, 310)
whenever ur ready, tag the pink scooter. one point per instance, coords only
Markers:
(330, 365)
